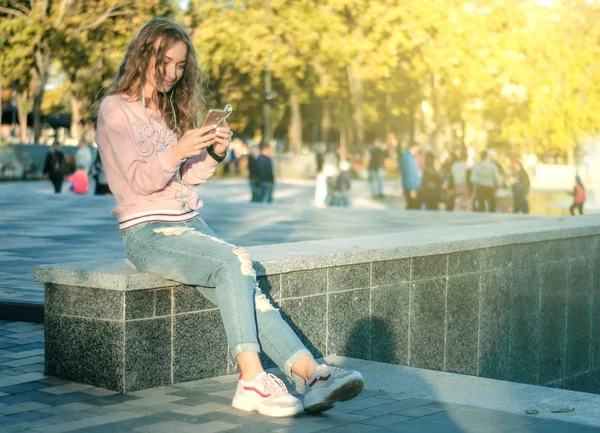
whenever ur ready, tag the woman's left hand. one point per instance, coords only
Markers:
(223, 139)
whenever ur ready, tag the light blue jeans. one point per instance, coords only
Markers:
(192, 254)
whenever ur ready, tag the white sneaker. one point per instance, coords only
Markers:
(328, 386)
(267, 395)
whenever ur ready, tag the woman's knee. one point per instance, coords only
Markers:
(245, 262)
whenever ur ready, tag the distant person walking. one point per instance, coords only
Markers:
(83, 157)
(520, 188)
(102, 187)
(411, 177)
(266, 176)
(376, 159)
(459, 173)
(55, 167)
(342, 185)
(578, 196)
(253, 173)
(431, 190)
(485, 178)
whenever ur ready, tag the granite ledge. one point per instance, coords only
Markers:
(289, 257)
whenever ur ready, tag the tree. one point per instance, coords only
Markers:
(39, 28)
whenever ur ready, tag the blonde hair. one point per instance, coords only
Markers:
(186, 96)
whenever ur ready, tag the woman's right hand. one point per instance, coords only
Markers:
(194, 141)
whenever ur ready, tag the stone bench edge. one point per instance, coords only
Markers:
(288, 257)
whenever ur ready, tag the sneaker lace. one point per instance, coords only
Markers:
(274, 385)
(335, 370)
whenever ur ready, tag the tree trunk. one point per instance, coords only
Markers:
(325, 121)
(356, 91)
(437, 116)
(571, 156)
(76, 130)
(40, 77)
(22, 99)
(343, 140)
(295, 126)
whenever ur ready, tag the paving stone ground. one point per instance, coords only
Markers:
(34, 403)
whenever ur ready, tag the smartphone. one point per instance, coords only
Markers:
(214, 117)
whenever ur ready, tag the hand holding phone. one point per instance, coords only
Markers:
(197, 139)
(215, 117)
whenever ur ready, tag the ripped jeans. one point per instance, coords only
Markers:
(191, 253)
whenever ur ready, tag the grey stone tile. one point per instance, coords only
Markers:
(429, 267)
(389, 323)
(11, 408)
(308, 318)
(390, 272)
(595, 346)
(545, 426)
(427, 324)
(392, 407)
(581, 247)
(83, 302)
(419, 411)
(148, 353)
(360, 404)
(304, 283)
(585, 382)
(359, 428)
(526, 255)
(349, 324)
(23, 361)
(200, 346)
(385, 420)
(141, 304)
(463, 262)
(265, 426)
(349, 277)
(594, 246)
(66, 388)
(462, 320)
(187, 299)
(465, 422)
(578, 316)
(553, 325)
(494, 324)
(338, 420)
(24, 387)
(525, 323)
(495, 258)
(270, 285)
(552, 251)
(86, 350)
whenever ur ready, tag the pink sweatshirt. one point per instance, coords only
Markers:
(136, 147)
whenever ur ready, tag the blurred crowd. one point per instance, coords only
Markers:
(455, 180)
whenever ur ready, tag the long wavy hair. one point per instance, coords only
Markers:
(187, 97)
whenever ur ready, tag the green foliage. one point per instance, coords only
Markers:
(511, 73)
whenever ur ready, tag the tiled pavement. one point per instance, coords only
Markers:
(33, 402)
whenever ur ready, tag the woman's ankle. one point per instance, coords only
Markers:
(305, 367)
(249, 365)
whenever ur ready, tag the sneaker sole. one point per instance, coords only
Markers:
(266, 410)
(346, 391)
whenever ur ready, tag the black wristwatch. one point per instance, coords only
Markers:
(211, 151)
